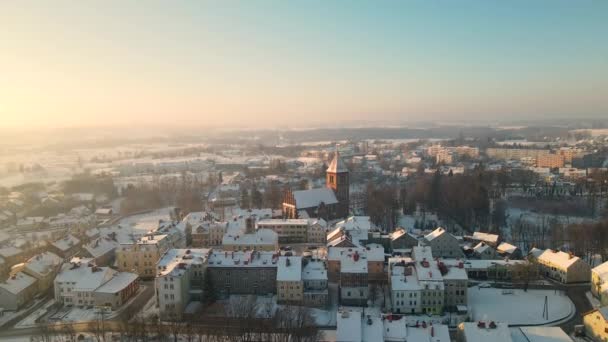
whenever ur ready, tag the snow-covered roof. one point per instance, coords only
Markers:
(432, 333)
(348, 326)
(91, 233)
(320, 222)
(355, 325)
(175, 261)
(353, 262)
(66, 243)
(476, 264)
(536, 252)
(357, 227)
(119, 282)
(313, 197)
(43, 263)
(151, 239)
(558, 258)
(404, 278)
(101, 246)
(337, 165)
(242, 259)
(481, 247)
(455, 272)
(289, 268)
(399, 232)
(539, 334)
(506, 247)
(371, 252)
(355, 223)
(86, 276)
(314, 270)
(486, 237)
(261, 236)
(435, 234)
(476, 332)
(17, 283)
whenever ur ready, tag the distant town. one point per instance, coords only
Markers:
(448, 233)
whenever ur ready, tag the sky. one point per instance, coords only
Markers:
(293, 63)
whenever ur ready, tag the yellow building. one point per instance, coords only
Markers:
(596, 324)
(550, 160)
(141, 256)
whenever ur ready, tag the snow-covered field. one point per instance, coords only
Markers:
(518, 308)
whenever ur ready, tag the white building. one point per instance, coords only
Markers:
(563, 267)
(78, 280)
(180, 280)
(314, 277)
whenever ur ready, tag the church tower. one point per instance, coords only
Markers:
(337, 180)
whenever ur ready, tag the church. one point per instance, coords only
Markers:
(328, 203)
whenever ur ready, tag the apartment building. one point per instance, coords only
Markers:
(288, 230)
(16, 291)
(563, 267)
(372, 254)
(260, 240)
(599, 283)
(314, 277)
(290, 286)
(81, 283)
(180, 280)
(354, 283)
(243, 272)
(550, 160)
(431, 280)
(296, 230)
(141, 256)
(208, 234)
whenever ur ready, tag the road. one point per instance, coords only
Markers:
(576, 293)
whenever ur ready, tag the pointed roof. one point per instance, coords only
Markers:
(337, 165)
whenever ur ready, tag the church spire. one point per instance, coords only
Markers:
(337, 165)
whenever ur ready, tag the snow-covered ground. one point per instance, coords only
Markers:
(149, 310)
(30, 320)
(518, 308)
(9, 315)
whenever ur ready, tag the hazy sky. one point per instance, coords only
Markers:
(72, 63)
